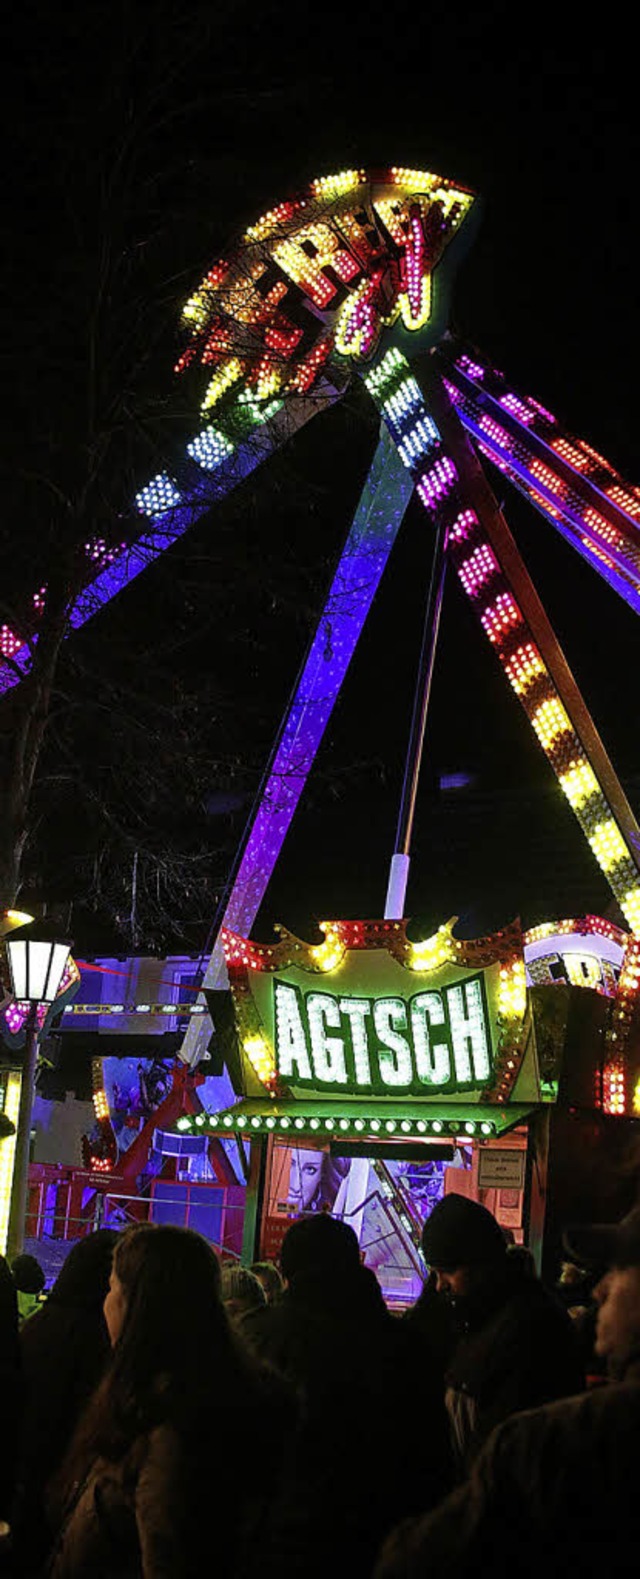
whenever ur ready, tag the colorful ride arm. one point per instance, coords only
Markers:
(209, 470)
(566, 480)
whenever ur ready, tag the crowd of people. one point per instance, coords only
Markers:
(165, 1416)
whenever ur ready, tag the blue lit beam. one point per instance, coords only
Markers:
(210, 470)
(374, 529)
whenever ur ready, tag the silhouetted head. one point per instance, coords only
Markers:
(164, 1297)
(615, 1246)
(28, 1275)
(83, 1281)
(319, 1246)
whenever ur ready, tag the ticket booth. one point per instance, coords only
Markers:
(375, 1074)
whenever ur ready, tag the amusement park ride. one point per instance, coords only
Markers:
(351, 279)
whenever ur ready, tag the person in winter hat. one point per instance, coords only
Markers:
(555, 1490)
(514, 1346)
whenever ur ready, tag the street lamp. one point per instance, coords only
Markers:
(36, 970)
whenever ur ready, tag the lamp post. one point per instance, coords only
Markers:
(36, 970)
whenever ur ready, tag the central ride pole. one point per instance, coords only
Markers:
(399, 869)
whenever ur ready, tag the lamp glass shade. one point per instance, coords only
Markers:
(17, 957)
(36, 969)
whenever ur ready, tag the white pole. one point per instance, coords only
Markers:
(397, 887)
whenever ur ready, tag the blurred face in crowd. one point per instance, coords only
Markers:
(455, 1283)
(570, 1273)
(114, 1308)
(467, 1286)
(618, 1324)
(304, 1177)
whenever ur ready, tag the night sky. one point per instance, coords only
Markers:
(539, 116)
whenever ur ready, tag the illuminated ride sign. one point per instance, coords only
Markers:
(367, 1013)
(434, 1041)
(368, 1036)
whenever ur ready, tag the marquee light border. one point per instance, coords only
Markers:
(324, 1122)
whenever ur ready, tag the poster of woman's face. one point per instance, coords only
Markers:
(373, 1196)
(314, 1179)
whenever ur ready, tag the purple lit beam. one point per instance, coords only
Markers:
(568, 482)
(197, 489)
(374, 529)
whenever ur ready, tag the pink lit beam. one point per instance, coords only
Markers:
(594, 537)
(374, 529)
(573, 486)
(589, 546)
(575, 461)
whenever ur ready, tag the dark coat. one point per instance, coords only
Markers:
(519, 1350)
(64, 1347)
(187, 1496)
(554, 1492)
(11, 1391)
(127, 1520)
(64, 1351)
(373, 1436)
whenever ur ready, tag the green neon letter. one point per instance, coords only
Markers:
(327, 1052)
(394, 1053)
(291, 1046)
(468, 1032)
(433, 1059)
(356, 1010)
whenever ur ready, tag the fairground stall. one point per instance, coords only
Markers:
(375, 1074)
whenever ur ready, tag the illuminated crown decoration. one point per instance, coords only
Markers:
(353, 945)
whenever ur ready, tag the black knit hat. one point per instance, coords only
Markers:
(460, 1232)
